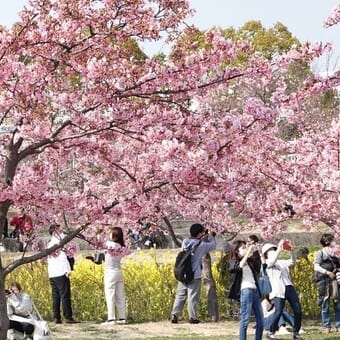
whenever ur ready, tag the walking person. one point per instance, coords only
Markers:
(192, 290)
(59, 271)
(244, 288)
(326, 264)
(282, 286)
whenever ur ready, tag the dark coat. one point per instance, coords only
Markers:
(254, 263)
(323, 282)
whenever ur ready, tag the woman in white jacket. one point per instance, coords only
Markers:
(20, 304)
(113, 278)
(282, 287)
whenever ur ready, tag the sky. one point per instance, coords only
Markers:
(304, 18)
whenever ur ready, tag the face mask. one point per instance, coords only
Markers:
(242, 251)
(271, 254)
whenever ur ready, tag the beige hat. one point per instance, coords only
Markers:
(268, 246)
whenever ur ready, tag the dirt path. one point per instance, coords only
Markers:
(224, 330)
(95, 331)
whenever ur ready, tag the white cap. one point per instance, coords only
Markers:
(268, 246)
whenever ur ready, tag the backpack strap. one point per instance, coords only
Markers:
(195, 246)
(191, 247)
(193, 251)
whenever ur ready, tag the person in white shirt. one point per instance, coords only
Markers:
(114, 288)
(113, 278)
(246, 267)
(282, 287)
(20, 304)
(59, 271)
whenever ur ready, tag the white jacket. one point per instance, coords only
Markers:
(20, 304)
(278, 273)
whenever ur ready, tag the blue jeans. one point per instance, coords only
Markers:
(250, 302)
(293, 299)
(326, 318)
(284, 319)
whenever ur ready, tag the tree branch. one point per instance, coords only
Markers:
(43, 253)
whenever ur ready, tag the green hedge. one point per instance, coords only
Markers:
(150, 288)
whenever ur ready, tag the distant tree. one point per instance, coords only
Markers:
(268, 42)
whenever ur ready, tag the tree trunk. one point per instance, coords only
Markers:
(4, 322)
(171, 232)
(210, 287)
(4, 206)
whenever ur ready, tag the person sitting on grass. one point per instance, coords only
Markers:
(18, 304)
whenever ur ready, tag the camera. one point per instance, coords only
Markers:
(208, 232)
(8, 292)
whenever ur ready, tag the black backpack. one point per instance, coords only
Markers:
(183, 267)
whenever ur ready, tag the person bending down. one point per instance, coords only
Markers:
(268, 313)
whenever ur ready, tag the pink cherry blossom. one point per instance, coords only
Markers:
(95, 135)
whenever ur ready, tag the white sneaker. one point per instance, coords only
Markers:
(121, 321)
(282, 331)
(270, 335)
(11, 334)
(109, 322)
(302, 331)
(28, 337)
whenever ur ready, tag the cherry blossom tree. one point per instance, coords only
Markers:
(93, 135)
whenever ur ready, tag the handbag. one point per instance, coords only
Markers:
(98, 257)
(317, 277)
(41, 330)
(263, 282)
(335, 290)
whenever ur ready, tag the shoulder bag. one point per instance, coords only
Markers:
(263, 282)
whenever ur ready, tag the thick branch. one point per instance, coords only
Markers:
(44, 252)
(33, 148)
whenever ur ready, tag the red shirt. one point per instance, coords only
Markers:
(22, 223)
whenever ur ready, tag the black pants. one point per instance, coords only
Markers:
(293, 299)
(61, 293)
(23, 327)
